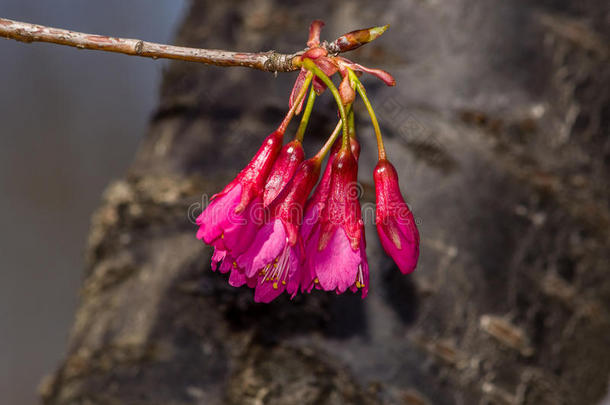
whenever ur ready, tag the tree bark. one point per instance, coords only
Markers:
(499, 130)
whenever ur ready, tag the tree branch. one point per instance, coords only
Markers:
(270, 61)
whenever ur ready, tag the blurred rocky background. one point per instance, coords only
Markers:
(499, 128)
(70, 122)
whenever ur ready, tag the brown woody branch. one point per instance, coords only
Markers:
(270, 61)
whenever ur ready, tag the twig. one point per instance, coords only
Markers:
(270, 61)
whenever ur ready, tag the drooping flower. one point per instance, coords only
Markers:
(229, 222)
(395, 224)
(275, 256)
(317, 202)
(335, 250)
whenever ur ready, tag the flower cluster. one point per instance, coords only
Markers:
(277, 227)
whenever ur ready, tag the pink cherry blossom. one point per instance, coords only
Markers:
(335, 249)
(275, 255)
(230, 222)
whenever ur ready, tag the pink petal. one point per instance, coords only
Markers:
(237, 278)
(267, 290)
(314, 33)
(296, 89)
(384, 76)
(295, 273)
(240, 229)
(407, 254)
(214, 215)
(336, 266)
(307, 272)
(329, 68)
(226, 265)
(362, 279)
(218, 257)
(266, 246)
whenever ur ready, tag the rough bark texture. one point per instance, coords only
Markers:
(499, 129)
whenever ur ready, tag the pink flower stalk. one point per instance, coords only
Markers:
(395, 224)
(275, 256)
(335, 250)
(229, 222)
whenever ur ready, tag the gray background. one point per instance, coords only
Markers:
(69, 123)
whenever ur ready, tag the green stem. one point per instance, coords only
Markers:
(297, 102)
(360, 89)
(311, 66)
(306, 115)
(329, 142)
(351, 127)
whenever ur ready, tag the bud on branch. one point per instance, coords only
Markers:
(355, 39)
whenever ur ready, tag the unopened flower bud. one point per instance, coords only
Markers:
(395, 224)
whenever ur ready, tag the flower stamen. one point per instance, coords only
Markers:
(360, 278)
(277, 271)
